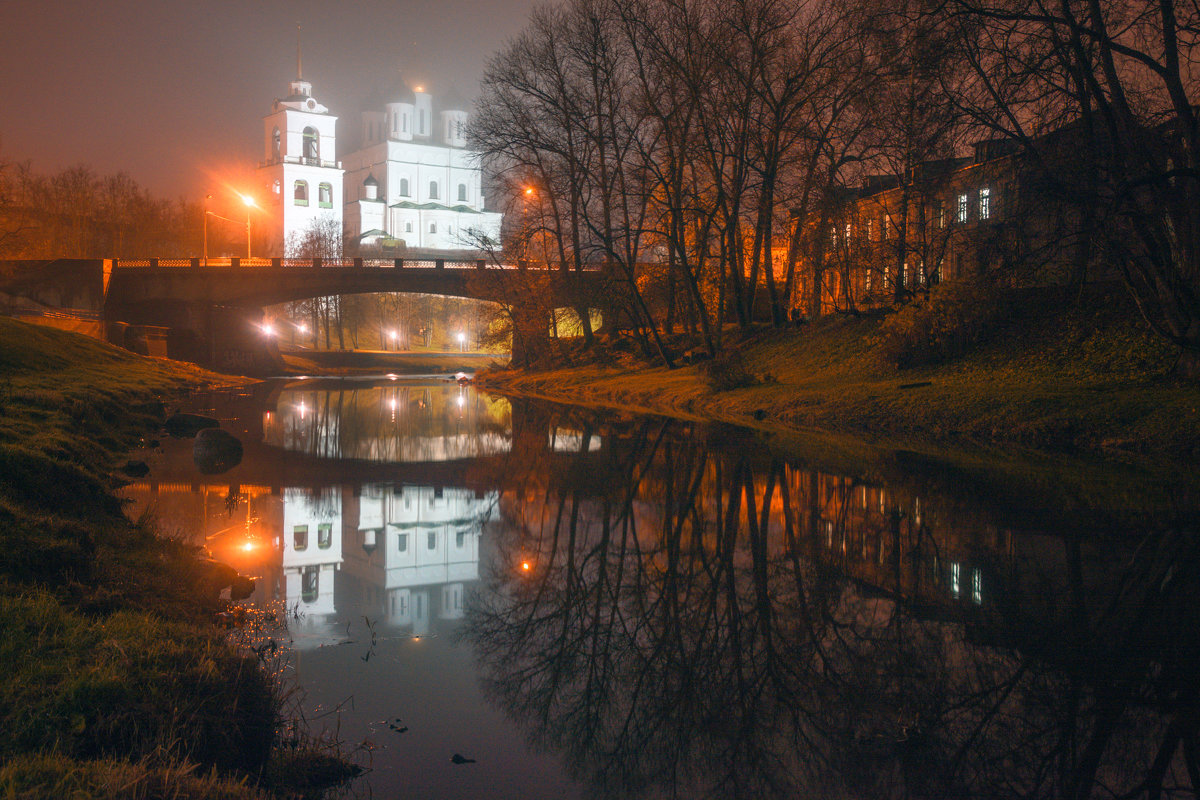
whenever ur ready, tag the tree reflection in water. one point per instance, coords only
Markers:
(702, 621)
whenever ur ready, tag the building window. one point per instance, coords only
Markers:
(963, 208)
(310, 585)
(431, 541)
(460, 539)
(301, 193)
(884, 225)
(275, 187)
(324, 536)
(941, 213)
(402, 542)
(408, 227)
(985, 203)
(462, 193)
(433, 190)
(312, 146)
(421, 122)
(325, 195)
(300, 538)
(404, 187)
(848, 230)
(432, 229)
(870, 231)
(276, 145)
(404, 123)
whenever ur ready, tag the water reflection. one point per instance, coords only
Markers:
(657, 609)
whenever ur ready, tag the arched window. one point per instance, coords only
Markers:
(301, 193)
(325, 195)
(300, 538)
(276, 144)
(433, 227)
(421, 122)
(312, 144)
(310, 584)
(408, 227)
(404, 187)
(462, 192)
(433, 192)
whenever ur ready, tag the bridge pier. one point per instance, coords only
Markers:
(531, 334)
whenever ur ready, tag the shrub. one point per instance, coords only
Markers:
(728, 371)
(949, 322)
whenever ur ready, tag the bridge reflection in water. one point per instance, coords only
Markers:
(667, 609)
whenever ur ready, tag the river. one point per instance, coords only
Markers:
(490, 597)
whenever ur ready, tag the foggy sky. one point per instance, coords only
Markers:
(174, 93)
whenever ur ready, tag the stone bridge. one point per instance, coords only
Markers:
(210, 311)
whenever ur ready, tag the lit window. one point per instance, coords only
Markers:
(301, 193)
(955, 587)
(325, 195)
(300, 537)
(985, 203)
(847, 233)
(976, 587)
(870, 231)
(433, 190)
(885, 224)
(941, 214)
(962, 208)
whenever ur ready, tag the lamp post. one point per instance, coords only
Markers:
(207, 197)
(249, 201)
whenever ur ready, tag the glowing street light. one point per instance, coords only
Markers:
(268, 329)
(462, 342)
(394, 335)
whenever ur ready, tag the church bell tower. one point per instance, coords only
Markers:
(301, 170)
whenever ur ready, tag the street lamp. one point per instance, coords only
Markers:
(207, 197)
(249, 201)
(462, 342)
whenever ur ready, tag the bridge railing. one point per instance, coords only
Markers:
(310, 263)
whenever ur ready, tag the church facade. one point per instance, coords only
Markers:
(412, 187)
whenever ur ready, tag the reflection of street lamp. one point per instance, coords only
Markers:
(249, 201)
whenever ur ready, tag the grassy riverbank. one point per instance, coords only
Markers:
(116, 681)
(1050, 373)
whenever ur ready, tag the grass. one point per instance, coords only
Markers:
(117, 682)
(1051, 375)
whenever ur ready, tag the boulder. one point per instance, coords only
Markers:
(216, 451)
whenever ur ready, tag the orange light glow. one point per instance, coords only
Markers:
(248, 546)
(248, 200)
(528, 190)
(525, 565)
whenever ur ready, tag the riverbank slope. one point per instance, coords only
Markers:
(1052, 372)
(117, 682)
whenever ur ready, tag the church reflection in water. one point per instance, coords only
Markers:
(674, 610)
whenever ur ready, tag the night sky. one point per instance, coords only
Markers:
(174, 93)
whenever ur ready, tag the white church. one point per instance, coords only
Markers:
(412, 188)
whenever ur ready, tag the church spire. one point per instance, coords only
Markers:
(299, 69)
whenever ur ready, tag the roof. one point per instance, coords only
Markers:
(434, 207)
